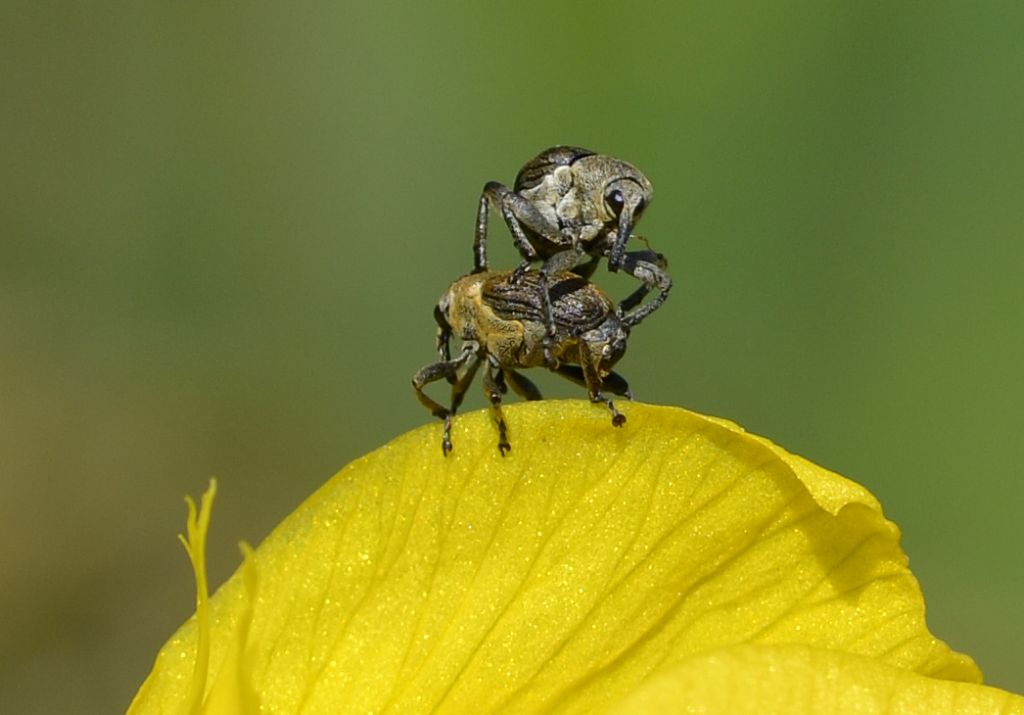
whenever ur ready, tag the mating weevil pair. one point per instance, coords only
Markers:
(568, 208)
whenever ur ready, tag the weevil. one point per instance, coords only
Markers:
(500, 323)
(569, 203)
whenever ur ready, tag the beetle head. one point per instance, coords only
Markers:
(615, 348)
(624, 201)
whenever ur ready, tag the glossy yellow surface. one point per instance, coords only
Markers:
(676, 555)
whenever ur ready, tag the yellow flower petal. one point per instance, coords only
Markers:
(232, 692)
(560, 577)
(801, 680)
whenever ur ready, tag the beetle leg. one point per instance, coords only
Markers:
(447, 369)
(462, 384)
(617, 385)
(548, 318)
(516, 211)
(424, 376)
(618, 419)
(560, 262)
(585, 270)
(613, 382)
(520, 271)
(522, 386)
(633, 300)
(563, 261)
(592, 376)
(649, 268)
(498, 378)
(546, 314)
(493, 388)
(573, 373)
(480, 236)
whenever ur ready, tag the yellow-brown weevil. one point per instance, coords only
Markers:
(500, 321)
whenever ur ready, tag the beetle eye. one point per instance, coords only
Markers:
(615, 201)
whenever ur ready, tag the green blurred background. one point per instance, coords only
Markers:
(223, 227)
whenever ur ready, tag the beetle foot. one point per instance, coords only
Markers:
(446, 438)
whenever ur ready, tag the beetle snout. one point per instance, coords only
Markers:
(633, 204)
